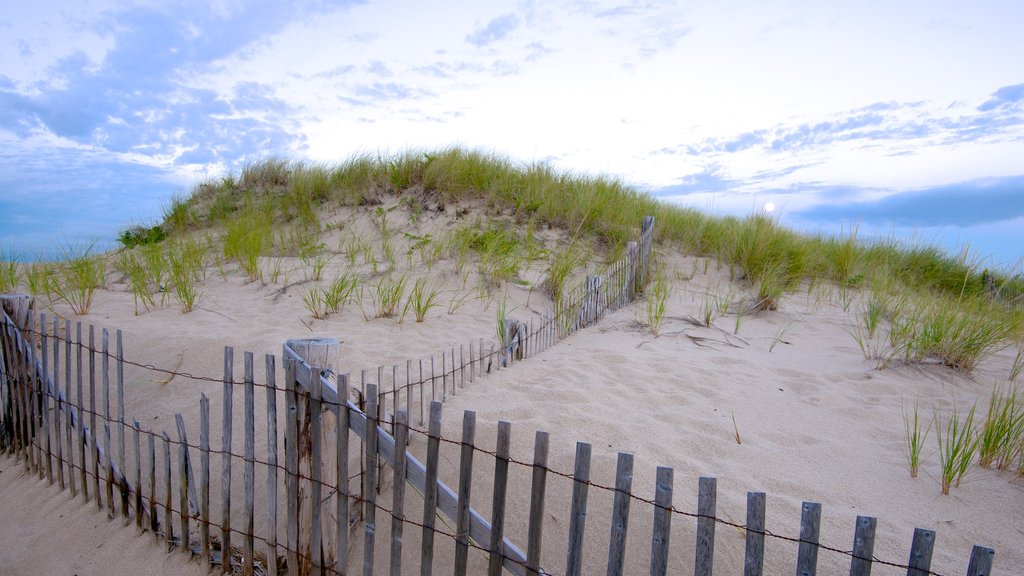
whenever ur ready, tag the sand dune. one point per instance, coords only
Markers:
(816, 420)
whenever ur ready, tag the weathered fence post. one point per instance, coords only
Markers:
(316, 446)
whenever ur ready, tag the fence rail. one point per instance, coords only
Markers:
(314, 511)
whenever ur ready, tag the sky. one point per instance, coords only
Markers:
(896, 118)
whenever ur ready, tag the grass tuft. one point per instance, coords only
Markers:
(915, 438)
(958, 444)
(77, 277)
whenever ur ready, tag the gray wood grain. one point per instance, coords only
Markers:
(463, 517)
(807, 554)
(753, 560)
(501, 462)
(398, 493)
(249, 470)
(578, 511)
(620, 514)
(271, 538)
(430, 491)
(225, 479)
(204, 478)
(707, 495)
(863, 546)
(662, 529)
(920, 562)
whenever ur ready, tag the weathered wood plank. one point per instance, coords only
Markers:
(105, 343)
(44, 343)
(398, 492)
(183, 485)
(59, 406)
(463, 524)
(810, 524)
(68, 425)
(168, 494)
(81, 404)
(119, 351)
(705, 548)
(370, 480)
(291, 457)
(863, 546)
(249, 472)
(620, 514)
(225, 480)
(578, 512)
(753, 560)
(662, 530)
(981, 561)
(342, 503)
(538, 487)
(430, 491)
(316, 470)
(204, 478)
(136, 433)
(920, 563)
(271, 372)
(154, 517)
(501, 461)
(94, 457)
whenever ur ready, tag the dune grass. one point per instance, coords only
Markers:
(952, 316)
(9, 271)
(422, 298)
(77, 277)
(656, 302)
(1001, 433)
(915, 438)
(958, 445)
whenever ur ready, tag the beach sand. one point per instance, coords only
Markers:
(782, 402)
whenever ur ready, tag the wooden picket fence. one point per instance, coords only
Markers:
(314, 513)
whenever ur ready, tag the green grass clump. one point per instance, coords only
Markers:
(8, 271)
(772, 259)
(1002, 431)
(186, 261)
(39, 276)
(134, 271)
(387, 296)
(958, 444)
(422, 298)
(140, 235)
(247, 237)
(77, 277)
(915, 439)
(657, 301)
(561, 266)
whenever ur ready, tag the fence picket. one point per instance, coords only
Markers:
(168, 494)
(225, 479)
(58, 407)
(316, 468)
(501, 461)
(807, 555)
(537, 490)
(291, 458)
(981, 561)
(920, 563)
(204, 478)
(45, 393)
(341, 554)
(370, 480)
(154, 521)
(620, 514)
(662, 531)
(249, 472)
(465, 487)
(68, 403)
(863, 546)
(184, 485)
(105, 343)
(398, 494)
(119, 344)
(430, 491)
(271, 372)
(705, 548)
(94, 454)
(578, 513)
(136, 433)
(81, 424)
(753, 561)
